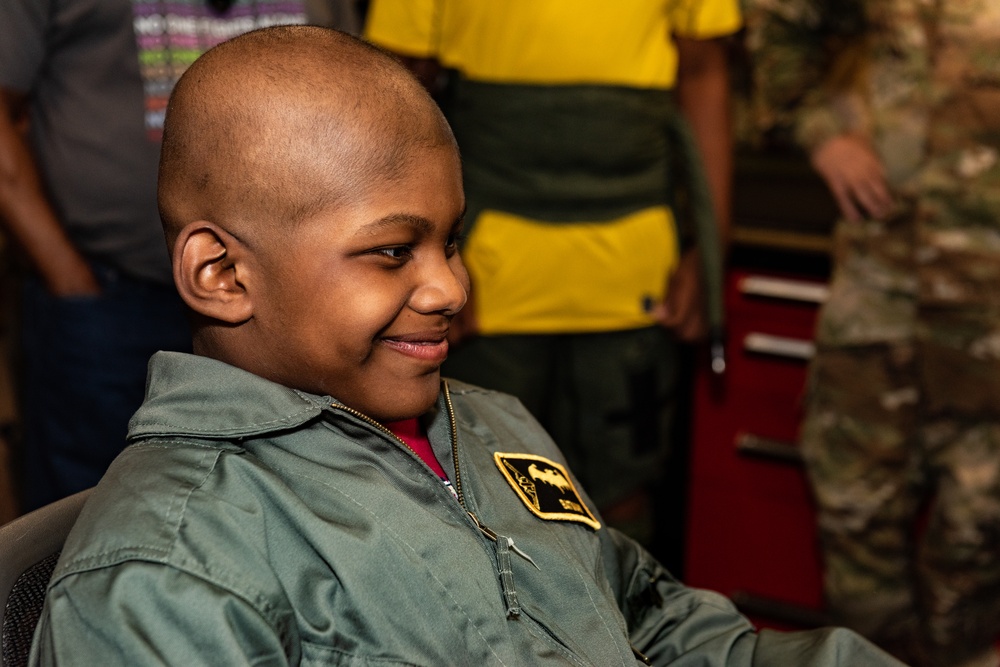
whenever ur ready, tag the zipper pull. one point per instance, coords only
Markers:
(507, 577)
(640, 657)
(504, 545)
(493, 537)
(451, 488)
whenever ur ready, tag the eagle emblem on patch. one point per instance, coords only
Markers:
(545, 488)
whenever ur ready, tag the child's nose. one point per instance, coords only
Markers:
(443, 288)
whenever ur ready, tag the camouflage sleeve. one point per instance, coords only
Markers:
(807, 61)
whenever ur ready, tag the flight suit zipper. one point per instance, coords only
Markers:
(503, 545)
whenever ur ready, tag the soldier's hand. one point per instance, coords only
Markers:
(855, 176)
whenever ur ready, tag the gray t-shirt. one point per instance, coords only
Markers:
(98, 73)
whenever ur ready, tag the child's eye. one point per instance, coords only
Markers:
(396, 252)
(454, 240)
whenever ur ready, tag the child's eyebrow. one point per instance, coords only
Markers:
(414, 222)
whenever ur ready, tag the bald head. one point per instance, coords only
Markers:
(281, 123)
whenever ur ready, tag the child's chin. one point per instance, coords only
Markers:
(417, 401)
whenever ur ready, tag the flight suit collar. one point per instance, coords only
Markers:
(180, 386)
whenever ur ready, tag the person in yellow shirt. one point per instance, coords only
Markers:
(565, 115)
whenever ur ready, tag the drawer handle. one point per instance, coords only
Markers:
(779, 346)
(758, 447)
(784, 288)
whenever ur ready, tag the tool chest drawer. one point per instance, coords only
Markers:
(751, 529)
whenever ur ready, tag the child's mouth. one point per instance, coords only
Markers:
(424, 347)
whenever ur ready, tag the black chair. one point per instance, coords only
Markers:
(29, 549)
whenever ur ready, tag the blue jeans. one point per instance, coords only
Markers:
(85, 374)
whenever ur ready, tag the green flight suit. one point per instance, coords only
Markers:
(249, 523)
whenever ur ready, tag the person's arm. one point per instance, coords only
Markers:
(26, 214)
(671, 623)
(703, 97)
(810, 68)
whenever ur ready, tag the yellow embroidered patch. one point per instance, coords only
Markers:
(545, 488)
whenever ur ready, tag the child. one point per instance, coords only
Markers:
(305, 489)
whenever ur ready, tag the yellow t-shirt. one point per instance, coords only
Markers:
(530, 276)
(617, 42)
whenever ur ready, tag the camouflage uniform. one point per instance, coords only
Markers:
(903, 413)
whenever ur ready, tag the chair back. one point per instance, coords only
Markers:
(29, 549)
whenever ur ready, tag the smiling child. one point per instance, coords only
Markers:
(305, 489)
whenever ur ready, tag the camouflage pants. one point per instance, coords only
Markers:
(902, 434)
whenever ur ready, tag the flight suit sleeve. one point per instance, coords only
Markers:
(141, 613)
(673, 624)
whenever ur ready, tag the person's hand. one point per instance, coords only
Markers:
(73, 277)
(683, 309)
(855, 176)
(26, 213)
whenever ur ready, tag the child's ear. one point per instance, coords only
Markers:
(209, 266)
